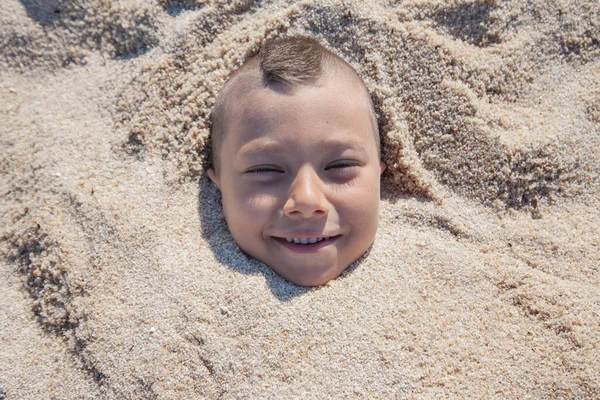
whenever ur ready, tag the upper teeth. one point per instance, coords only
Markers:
(306, 240)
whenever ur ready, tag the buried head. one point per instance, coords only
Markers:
(298, 168)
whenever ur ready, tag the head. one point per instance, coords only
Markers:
(296, 156)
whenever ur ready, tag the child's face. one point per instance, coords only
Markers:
(301, 164)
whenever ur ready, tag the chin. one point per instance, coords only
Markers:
(310, 279)
(308, 282)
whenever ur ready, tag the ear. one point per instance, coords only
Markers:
(382, 167)
(213, 177)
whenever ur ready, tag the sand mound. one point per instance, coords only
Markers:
(458, 89)
(119, 276)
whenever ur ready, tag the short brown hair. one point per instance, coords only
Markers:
(290, 61)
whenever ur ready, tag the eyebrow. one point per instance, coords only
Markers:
(260, 146)
(270, 146)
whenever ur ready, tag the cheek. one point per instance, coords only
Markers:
(244, 207)
(364, 211)
(360, 205)
(248, 214)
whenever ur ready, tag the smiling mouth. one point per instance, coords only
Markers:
(307, 242)
(312, 240)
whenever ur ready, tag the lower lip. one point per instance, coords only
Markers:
(307, 248)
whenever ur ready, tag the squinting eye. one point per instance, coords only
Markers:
(342, 164)
(264, 169)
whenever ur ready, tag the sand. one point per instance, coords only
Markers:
(119, 279)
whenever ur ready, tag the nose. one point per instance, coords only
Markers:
(306, 198)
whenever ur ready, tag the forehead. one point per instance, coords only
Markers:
(330, 108)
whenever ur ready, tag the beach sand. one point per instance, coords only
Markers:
(119, 279)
